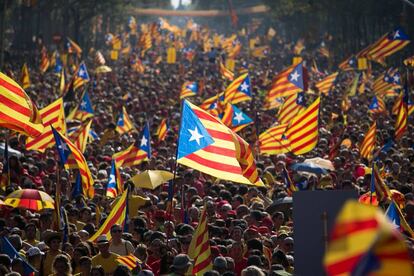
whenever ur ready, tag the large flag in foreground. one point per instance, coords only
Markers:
(199, 248)
(117, 215)
(364, 242)
(66, 149)
(207, 145)
(303, 130)
(17, 111)
(52, 115)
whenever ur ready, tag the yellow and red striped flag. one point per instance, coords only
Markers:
(162, 130)
(239, 90)
(286, 83)
(272, 140)
(386, 82)
(129, 261)
(388, 45)
(325, 85)
(124, 123)
(368, 144)
(207, 145)
(208, 103)
(225, 72)
(80, 136)
(17, 111)
(292, 106)
(137, 152)
(199, 248)
(44, 60)
(72, 47)
(66, 149)
(373, 246)
(25, 77)
(303, 129)
(189, 88)
(401, 120)
(117, 215)
(80, 77)
(52, 115)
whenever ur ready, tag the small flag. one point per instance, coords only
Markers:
(239, 90)
(325, 85)
(287, 83)
(114, 186)
(162, 130)
(25, 77)
(273, 141)
(189, 88)
(129, 261)
(124, 123)
(368, 144)
(81, 76)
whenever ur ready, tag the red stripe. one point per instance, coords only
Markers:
(290, 134)
(220, 135)
(343, 266)
(12, 88)
(15, 124)
(223, 151)
(345, 229)
(44, 113)
(108, 223)
(202, 265)
(213, 164)
(25, 111)
(304, 144)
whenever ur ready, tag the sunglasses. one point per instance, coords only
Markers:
(116, 231)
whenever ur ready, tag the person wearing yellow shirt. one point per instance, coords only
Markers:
(30, 234)
(105, 258)
(52, 239)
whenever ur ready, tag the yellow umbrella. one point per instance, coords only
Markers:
(103, 69)
(151, 179)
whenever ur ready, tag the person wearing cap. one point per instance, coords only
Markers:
(181, 265)
(52, 240)
(105, 258)
(119, 245)
(34, 256)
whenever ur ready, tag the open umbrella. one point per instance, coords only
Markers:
(151, 179)
(309, 167)
(320, 162)
(103, 69)
(30, 199)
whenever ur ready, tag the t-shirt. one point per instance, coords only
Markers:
(123, 249)
(48, 261)
(108, 264)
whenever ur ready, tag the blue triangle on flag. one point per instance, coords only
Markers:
(245, 86)
(239, 117)
(296, 76)
(145, 142)
(86, 103)
(193, 135)
(393, 216)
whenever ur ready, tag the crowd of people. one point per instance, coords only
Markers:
(246, 236)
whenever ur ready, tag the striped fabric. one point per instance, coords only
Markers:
(377, 183)
(65, 146)
(25, 77)
(17, 111)
(290, 108)
(388, 44)
(226, 73)
(387, 82)
(117, 215)
(303, 129)
(273, 142)
(199, 248)
(289, 185)
(286, 83)
(129, 261)
(325, 85)
(207, 145)
(401, 120)
(44, 60)
(377, 106)
(52, 115)
(368, 144)
(99, 58)
(81, 76)
(206, 105)
(239, 90)
(124, 123)
(80, 136)
(162, 130)
(135, 153)
(115, 185)
(364, 242)
(189, 88)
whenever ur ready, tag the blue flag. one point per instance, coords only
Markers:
(62, 147)
(86, 105)
(8, 249)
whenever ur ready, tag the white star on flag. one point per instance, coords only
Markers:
(81, 72)
(144, 141)
(195, 135)
(239, 117)
(295, 76)
(63, 147)
(397, 34)
(111, 178)
(244, 86)
(83, 104)
(396, 78)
